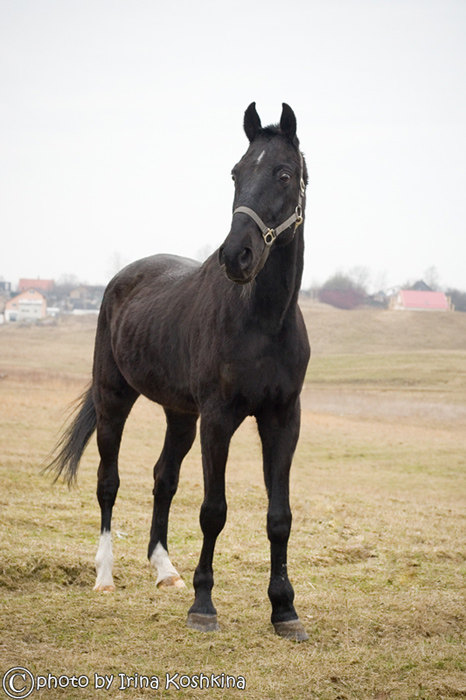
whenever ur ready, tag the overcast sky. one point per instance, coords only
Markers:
(120, 121)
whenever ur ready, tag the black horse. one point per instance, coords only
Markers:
(222, 340)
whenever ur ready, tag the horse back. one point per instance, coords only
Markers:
(143, 325)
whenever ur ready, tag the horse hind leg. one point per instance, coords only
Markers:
(113, 407)
(180, 434)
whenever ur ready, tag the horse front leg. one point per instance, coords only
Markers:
(215, 439)
(279, 431)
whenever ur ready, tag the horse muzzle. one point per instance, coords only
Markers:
(238, 262)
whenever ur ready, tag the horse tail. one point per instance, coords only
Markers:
(74, 439)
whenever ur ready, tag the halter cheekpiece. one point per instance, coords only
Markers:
(270, 234)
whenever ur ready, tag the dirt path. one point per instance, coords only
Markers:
(384, 405)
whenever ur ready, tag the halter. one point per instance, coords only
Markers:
(270, 234)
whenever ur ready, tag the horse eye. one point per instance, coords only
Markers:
(285, 177)
(233, 177)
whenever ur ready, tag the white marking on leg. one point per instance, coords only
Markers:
(167, 575)
(261, 155)
(104, 563)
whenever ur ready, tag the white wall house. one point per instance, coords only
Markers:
(27, 306)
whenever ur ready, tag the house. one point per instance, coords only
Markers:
(44, 286)
(421, 286)
(342, 298)
(417, 300)
(5, 293)
(86, 298)
(30, 305)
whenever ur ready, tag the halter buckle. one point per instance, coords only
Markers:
(299, 216)
(269, 236)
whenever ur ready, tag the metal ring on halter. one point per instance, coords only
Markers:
(299, 216)
(269, 236)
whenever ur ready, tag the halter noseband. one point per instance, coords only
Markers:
(270, 234)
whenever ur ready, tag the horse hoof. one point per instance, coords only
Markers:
(171, 582)
(291, 629)
(104, 589)
(203, 623)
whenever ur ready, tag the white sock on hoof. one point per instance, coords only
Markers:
(165, 569)
(104, 563)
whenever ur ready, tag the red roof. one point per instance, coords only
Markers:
(435, 301)
(42, 285)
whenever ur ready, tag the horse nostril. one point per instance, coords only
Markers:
(221, 257)
(245, 258)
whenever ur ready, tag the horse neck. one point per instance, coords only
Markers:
(276, 288)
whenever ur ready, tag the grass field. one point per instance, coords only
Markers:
(377, 552)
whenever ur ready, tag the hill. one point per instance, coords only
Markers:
(391, 365)
(370, 330)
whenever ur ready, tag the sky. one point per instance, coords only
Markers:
(120, 121)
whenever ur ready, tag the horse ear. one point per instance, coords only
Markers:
(252, 123)
(288, 122)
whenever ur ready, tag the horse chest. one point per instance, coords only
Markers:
(258, 379)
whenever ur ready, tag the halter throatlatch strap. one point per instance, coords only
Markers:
(270, 234)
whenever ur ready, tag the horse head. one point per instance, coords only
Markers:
(268, 203)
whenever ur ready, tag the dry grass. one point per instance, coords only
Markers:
(377, 552)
